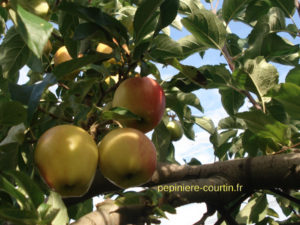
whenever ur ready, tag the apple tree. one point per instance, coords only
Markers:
(61, 62)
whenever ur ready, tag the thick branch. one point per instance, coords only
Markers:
(224, 181)
(264, 172)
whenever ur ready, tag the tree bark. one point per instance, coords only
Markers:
(216, 183)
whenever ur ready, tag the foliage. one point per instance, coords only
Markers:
(270, 125)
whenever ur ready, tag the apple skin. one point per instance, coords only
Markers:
(175, 129)
(144, 97)
(38, 7)
(127, 157)
(106, 49)
(62, 55)
(67, 158)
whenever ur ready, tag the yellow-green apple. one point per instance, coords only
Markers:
(127, 157)
(62, 55)
(175, 129)
(67, 158)
(38, 7)
(106, 49)
(144, 97)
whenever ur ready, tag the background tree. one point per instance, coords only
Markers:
(256, 149)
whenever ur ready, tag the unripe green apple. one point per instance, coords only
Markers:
(144, 97)
(175, 129)
(67, 158)
(127, 157)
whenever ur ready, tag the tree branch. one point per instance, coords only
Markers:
(264, 172)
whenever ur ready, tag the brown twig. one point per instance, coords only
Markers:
(297, 5)
(285, 195)
(251, 99)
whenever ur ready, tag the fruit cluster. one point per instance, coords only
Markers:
(67, 156)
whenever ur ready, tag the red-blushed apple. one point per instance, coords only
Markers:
(127, 157)
(67, 158)
(144, 97)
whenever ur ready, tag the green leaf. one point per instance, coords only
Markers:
(250, 143)
(186, 98)
(190, 6)
(217, 76)
(276, 48)
(2, 26)
(232, 8)
(94, 15)
(206, 123)
(17, 216)
(235, 45)
(257, 76)
(80, 209)
(254, 212)
(64, 69)
(178, 102)
(30, 94)
(34, 30)
(57, 203)
(231, 123)
(272, 22)
(293, 76)
(144, 14)
(257, 9)
(85, 30)
(193, 162)
(266, 126)
(231, 100)
(168, 208)
(9, 156)
(14, 54)
(159, 212)
(190, 45)
(161, 138)
(207, 28)
(164, 48)
(168, 12)
(272, 212)
(32, 190)
(118, 113)
(288, 94)
(226, 135)
(10, 189)
(12, 113)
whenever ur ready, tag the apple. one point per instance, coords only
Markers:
(127, 157)
(38, 7)
(144, 97)
(106, 49)
(175, 129)
(67, 158)
(62, 55)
